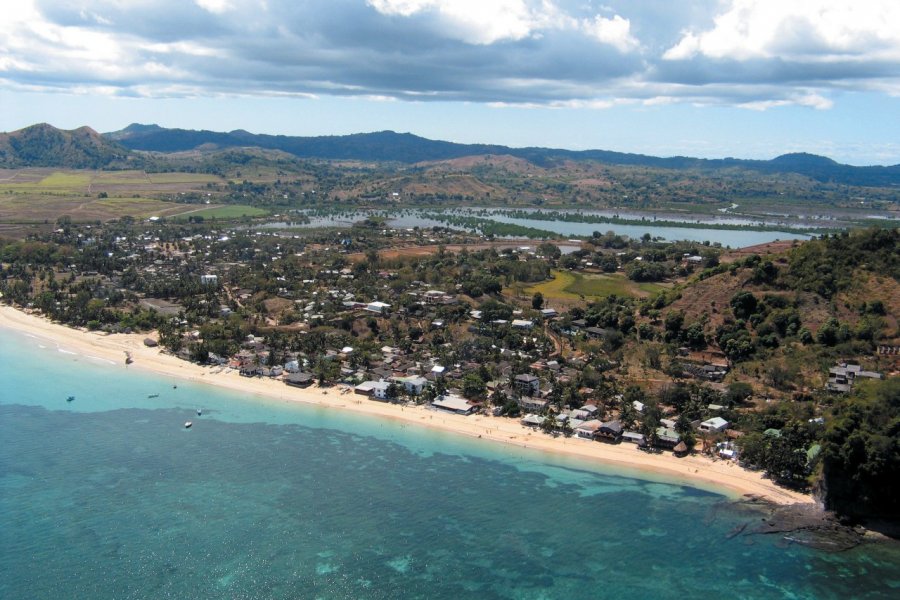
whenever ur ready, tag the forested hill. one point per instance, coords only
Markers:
(409, 148)
(43, 145)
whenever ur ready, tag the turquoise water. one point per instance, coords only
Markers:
(110, 497)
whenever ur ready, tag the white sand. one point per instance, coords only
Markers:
(697, 471)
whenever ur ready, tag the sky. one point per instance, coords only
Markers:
(706, 78)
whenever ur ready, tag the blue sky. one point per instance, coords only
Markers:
(709, 78)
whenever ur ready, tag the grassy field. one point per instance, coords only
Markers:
(53, 181)
(42, 195)
(30, 208)
(72, 182)
(189, 178)
(566, 285)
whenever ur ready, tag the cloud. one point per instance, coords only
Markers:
(214, 6)
(474, 21)
(615, 32)
(808, 30)
(760, 54)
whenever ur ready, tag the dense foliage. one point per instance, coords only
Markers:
(828, 267)
(862, 451)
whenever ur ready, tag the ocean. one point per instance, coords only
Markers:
(109, 496)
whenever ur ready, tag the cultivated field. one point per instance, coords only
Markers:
(39, 196)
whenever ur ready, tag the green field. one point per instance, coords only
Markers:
(566, 285)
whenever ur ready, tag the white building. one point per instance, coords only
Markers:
(714, 425)
(377, 307)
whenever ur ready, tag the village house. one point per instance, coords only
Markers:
(842, 377)
(377, 307)
(413, 385)
(532, 403)
(527, 384)
(714, 425)
(587, 429)
(610, 430)
(432, 297)
(532, 420)
(667, 438)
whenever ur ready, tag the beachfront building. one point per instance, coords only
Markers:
(667, 438)
(300, 379)
(634, 437)
(454, 404)
(587, 430)
(373, 389)
(529, 403)
(532, 420)
(414, 384)
(611, 431)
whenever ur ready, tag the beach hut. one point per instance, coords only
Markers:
(680, 449)
(301, 380)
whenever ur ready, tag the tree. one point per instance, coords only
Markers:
(743, 304)
(786, 457)
(549, 250)
(650, 421)
(754, 447)
(861, 451)
(473, 386)
(392, 392)
(537, 301)
(738, 393)
(493, 310)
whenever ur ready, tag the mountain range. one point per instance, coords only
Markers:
(46, 146)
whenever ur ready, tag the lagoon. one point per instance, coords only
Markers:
(422, 218)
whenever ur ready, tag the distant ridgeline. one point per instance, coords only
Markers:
(45, 146)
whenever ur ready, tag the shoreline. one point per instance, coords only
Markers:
(719, 476)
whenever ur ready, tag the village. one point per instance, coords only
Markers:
(458, 322)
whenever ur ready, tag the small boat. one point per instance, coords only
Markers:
(70, 398)
(187, 424)
(153, 396)
(199, 411)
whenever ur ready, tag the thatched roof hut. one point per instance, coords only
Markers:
(680, 449)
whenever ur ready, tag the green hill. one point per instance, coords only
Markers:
(43, 145)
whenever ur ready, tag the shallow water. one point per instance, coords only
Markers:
(110, 497)
(410, 218)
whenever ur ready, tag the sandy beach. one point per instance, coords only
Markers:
(698, 471)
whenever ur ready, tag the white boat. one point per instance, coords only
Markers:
(187, 424)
